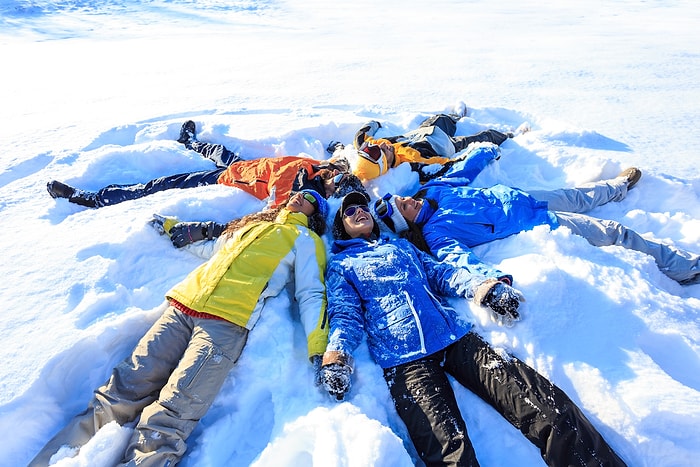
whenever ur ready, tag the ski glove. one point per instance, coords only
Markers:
(335, 373)
(333, 146)
(368, 129)
(163, 224)
(317, 361)
(184, 233)
(501, 299)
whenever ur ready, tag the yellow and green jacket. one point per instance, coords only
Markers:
(258, 262)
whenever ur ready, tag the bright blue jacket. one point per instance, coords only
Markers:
(466, 217)
(385, 288)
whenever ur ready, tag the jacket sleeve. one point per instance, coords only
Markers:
(310, 290)
(449, 280)
(369, 129)
(344, 311)
(450, 250)
(205, 249)
(466, 169)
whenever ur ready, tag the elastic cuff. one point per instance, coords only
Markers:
(483, 290)
(337, 356)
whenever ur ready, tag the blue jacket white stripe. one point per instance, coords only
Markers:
(379, 287)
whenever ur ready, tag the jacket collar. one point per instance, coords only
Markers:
(424, 214)
(296, 218)
(341, 245)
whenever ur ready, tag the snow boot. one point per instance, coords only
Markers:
(187, 133)
(60, 190)
(632, 175)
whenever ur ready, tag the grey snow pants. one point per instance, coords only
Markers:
(170, 381)
(567, 203)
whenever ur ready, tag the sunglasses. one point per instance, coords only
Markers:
(383, 208)
(310, 198)
(338, 178)
(351, 210)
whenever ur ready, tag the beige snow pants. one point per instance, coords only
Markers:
(170, 380)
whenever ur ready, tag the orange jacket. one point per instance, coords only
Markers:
(268, 176)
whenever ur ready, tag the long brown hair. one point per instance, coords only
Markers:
(414, 234)
(316, 221)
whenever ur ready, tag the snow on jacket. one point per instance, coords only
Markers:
(269, 176)
(467, 217)
(385, 288)
(257, 262)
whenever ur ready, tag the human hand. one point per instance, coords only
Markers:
(184, 233)
(335, 373)
(163, 224)
(336, 379)
(503, 301)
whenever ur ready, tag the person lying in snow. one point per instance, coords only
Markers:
(389, 289)
(447, 219)
(177, 369)
(433, 142)
(203, 238)
(267, 177)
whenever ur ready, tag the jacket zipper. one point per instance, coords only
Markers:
(418, 323)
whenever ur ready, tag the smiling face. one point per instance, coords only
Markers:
(298, 203)
(359, 223)
(408, 207)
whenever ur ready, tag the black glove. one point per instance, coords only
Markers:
(335, 373)
(502, 299)
(336, 379)
(334, 146)
(317, 361)
(184, 233)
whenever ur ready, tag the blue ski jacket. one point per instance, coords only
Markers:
(387, 289)
(466, 217)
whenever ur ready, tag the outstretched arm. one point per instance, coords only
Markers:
(463, 169)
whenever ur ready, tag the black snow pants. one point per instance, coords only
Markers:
(218, 153)
(540, 410)
(114, 194)
(448, 124)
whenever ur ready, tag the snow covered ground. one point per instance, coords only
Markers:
(95, 92)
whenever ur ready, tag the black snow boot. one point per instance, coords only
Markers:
(187, 133)
(60, 190)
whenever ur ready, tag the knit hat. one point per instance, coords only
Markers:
(321, 203)
(386, 211)
(355, 198)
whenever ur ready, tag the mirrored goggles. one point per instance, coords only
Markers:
(372, 151)
(383, 207)
(310, 198)
(338, 178)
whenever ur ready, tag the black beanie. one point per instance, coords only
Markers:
(357, 198)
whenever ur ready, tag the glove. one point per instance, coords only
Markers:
(317, 361)
(163, 224)
(371, 127)
(501, 299)
(368, 129)
(184, 233)
(334, 146)
(335, 373)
